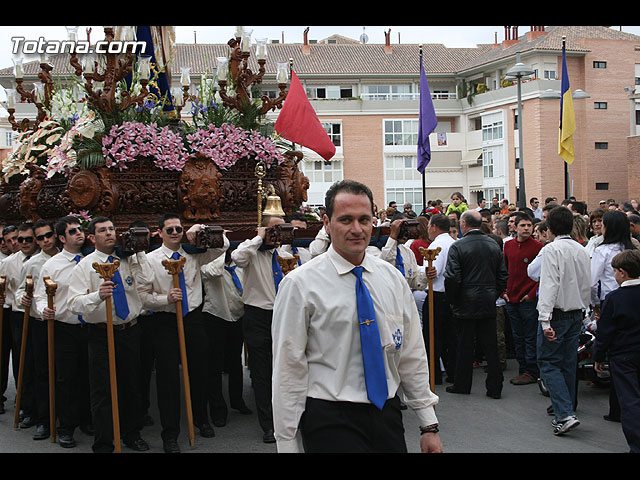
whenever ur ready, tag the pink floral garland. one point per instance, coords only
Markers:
(225, 145)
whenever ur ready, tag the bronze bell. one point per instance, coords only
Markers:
(273, 206)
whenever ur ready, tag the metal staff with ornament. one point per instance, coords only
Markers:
(106, 271)
(430, 255)
(51, 287)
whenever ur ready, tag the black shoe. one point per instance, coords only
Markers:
(494, 395)
(452, 389)
(88, 429)
(2, 410)
(139, 445)
(611, 418)
(42, 432)
(66, 441)
(220, 422)
(170, 446)
(206, 430)
(268, 437)
(27, 422)
(243, 409)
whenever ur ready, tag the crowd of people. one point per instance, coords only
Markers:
(508, 282)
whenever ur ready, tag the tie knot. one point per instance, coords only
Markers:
(110, 259)
(357, 271)
(77, 258)
(175, 256)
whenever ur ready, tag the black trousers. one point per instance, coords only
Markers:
(40, 352)
(225, 356)
(27, 401)
(484, 331)
(625, 373)
(257, 334)
(147, 359)
(445, 335)
(167, 351)
(7, 351)
(127, 353)
(344, 427)
(73, 407)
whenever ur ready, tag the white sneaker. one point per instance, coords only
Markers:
(563, 426)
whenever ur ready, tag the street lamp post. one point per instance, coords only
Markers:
(518, 72)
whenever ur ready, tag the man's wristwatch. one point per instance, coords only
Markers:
(433, 428)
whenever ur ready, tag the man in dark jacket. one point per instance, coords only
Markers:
(474, 278)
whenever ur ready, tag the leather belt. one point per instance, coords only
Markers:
(119, 326)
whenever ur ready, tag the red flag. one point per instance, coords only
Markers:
(299, 123)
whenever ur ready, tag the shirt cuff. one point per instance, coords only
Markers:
(426, 416)
(545, 324)
(288, 446)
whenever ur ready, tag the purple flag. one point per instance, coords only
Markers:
(427, 122)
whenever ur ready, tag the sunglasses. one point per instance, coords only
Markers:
(25, 239)
(43, 236)
(171, 229)
(74, 230)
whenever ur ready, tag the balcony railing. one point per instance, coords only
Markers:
(407, 96)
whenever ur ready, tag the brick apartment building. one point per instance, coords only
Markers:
(367, 96)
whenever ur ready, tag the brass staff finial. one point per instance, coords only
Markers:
(106, 270)
(288, 263)
(174, 267)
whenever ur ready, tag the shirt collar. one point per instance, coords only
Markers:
(104, 257)
(69, 255)
(630, 283)
(169, 253)
(343, 266)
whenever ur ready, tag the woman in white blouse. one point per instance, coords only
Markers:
(616, 237)
(595, 221)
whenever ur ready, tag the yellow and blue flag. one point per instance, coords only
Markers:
(567, 116)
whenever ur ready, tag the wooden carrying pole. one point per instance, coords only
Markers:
(23, 350)
(106, 272)
(50, 287)
(174, 267)
(430, 255)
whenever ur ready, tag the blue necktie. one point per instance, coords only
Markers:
(77, 259)
(277, 270)
(234, 277)
(399, 261)
(374, 371)
(295, 252)
(119, 295)
(183, 286)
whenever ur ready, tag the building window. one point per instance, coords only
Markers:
(602, 186)
(599, 64)
(401, 168)
(487, 163)
(334, 132)
(401, 132)
(490, 193)
(320, 171)
(8, 139)
(550, 74)
(389, 92)
(330, 92)
(600, 105)
(602, 145)
(404, 195)
(492, 131)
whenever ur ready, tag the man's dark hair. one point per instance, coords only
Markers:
(92, 225)
(502, 226)
(548, 200)
(549, 206)
(635, 219)
(25, 227)
(61, 224)
(441, 222)
(560, 220)
(527, 211)
(519, 216)
(543, 226)
(629, 261)
(579, 207)
(138, 224)
(532, 199)
(346, 186)
(165, 217)
(485, 213)
(627, 207)
(9, 229)
(297, 216)
(43, 223)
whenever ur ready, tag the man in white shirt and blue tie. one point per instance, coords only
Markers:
(346, 336)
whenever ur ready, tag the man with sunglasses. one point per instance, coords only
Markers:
(37, 338)
(161, 297)
(9, 246)
(87, 295)
(12, 268)
(70, 334)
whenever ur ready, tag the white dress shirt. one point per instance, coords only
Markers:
(316, 341)
(32, 267)
(412, 273)
(12, 268)
(259, 289)
(222, 298)
(154, 295)
(320, 244)
(565, 275)
(59, 269)
(444, 241)
(602, 279)
(84, 298)
(303, 253)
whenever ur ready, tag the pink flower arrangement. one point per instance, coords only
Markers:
(227, 144)
(125, 142)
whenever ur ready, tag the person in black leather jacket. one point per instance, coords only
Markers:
(474, 278)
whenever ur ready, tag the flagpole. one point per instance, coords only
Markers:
(424, 184)
(567, 190)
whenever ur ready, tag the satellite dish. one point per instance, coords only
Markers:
(364, 38)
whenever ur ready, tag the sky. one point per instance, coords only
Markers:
(450, 36)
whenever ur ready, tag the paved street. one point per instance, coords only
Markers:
(517, 423)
